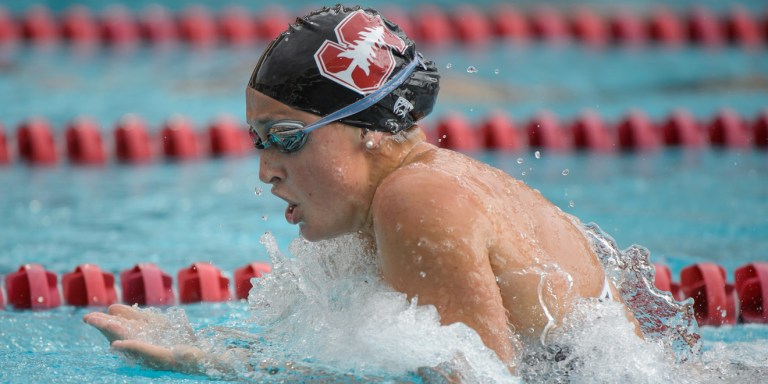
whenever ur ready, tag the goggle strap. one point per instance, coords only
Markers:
(371, 98)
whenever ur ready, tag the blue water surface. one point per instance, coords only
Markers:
(684, 206)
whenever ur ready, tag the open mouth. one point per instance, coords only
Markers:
(290, 214)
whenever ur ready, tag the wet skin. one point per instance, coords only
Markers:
(479, 245)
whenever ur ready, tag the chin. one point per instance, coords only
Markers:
(309, 234)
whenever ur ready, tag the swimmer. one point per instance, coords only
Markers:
(333, 106)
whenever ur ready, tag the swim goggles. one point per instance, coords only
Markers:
(290, 135)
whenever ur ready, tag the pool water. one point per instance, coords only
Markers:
(685, 206)
(673, 202)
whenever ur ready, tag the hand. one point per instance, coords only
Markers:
(144, 336)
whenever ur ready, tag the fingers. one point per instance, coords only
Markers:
(111, 327)
(126, 312)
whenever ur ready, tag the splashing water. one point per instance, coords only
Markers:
(325, 314)
(662, 319)
(329, 307)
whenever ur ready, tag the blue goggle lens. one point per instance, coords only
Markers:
(287, 135)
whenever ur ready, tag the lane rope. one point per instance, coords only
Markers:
(132, 141)
(428, 24)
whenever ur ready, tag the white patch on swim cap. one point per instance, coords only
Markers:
(402, 107)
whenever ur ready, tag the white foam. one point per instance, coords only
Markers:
(329, 306)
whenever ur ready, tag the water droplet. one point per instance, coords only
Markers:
(471, 69)
(496, 71)
(257, 191)
(520, 160)
(444, 136)
(423, 274)
(264, 217)
(40, 299)
(537, 154)
(571, 204)
(522, 173)
(418, 260)
(448, 66)
(566, 172)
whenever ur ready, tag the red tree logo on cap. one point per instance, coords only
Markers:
(361, 60)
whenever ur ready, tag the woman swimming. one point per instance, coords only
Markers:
(333, 106)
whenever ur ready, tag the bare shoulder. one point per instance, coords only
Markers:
(427, 215)
(428, 193)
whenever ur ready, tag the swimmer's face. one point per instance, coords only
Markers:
(326, 183)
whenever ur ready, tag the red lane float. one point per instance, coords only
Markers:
(244, 275)
(589, 132)
(2, 300)
(498, 132)
(664, 27)
(119, 27)
(5, 157)
(472, 26)
(179, 139)
(751, 283)
(88, 286)
(35, 142)
(32, 287)
(728, 129)
(202, 282)
(145, 284)
(9, 31)
(548, 24)
(704, 28)
(272, 22)
(636, 132)
(456, 133)
(39, 25)
(132, 141)
(589, 27)
(663, 281)
(760, 127)
(79, 26)
(237, 26)
(226, 137)
(544, 131)
(714, 303)
(626, 28)
(84, 145)
(158, 26)
(197, 26)
(433, 25)
(682, 129)
(509, 23)
(741, 28)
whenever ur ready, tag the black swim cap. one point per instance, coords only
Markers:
(334, 57)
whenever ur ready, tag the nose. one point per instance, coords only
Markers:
(271, 170)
